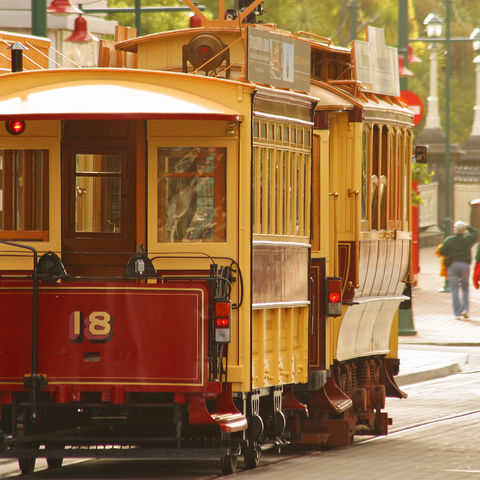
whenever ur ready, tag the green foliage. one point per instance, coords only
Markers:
(421, 175)
(151, 22)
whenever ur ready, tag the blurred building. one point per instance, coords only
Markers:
(16, 17)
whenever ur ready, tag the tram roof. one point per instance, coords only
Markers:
(102, 93)
(328, 99)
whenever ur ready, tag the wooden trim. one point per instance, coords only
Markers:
(141, 207)
(40, 235)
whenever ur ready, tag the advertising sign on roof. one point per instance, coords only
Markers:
(375, 64)
(278, 60)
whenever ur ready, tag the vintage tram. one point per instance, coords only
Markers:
(204, 244)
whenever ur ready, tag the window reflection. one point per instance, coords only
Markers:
(191, 194)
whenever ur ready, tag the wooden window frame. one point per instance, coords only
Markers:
(32, 211)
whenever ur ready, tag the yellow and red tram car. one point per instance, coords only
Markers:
(203, 248)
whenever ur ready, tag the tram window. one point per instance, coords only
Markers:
(191, 194)
(98, 193)
(263, 130)
(256, 129)
(281, 182)
(271, 131)
(364, 176)
(24, 192)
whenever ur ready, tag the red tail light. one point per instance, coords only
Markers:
(15, 127)
(223, 322)
(223, 316)
(334, 296)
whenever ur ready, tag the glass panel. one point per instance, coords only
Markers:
(86, 163)
(24, 190)
(364, 175)
(97, 204)
(191, 194)
(263, 130)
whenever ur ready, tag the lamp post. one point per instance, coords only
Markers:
(434, 26)
(353, 7)
(39, 18)
(475, 37)
(448, 177)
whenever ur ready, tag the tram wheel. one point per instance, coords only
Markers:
(26, 465)
(251, 457)
(54, 462)
(228, 464)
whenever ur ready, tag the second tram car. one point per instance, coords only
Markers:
(204, 244)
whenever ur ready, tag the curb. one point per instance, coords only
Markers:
(423, 376)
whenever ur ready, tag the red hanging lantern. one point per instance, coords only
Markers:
(80, 32)
(62, 6)
(403, 71)
(412, 58)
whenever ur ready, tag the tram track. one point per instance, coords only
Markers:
(422, 424)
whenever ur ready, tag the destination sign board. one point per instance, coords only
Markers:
(376, 64)
(278, 60)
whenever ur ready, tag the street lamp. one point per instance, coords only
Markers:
(434, 27)
(475, 37)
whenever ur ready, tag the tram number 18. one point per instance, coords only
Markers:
(96, 327)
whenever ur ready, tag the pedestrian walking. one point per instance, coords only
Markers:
(457, 252)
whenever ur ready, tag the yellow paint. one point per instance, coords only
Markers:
(36, 57)
(38, 135)
(279, 346)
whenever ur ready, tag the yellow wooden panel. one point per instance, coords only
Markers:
(279, 346)
(36, 57)
(50, 142)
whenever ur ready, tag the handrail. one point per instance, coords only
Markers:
(355, 193)
(334, 195)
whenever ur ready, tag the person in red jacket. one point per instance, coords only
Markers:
(457, 250)
(476, 271)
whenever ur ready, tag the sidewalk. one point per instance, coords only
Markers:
(440, 346)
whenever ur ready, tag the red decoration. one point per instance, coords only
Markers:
(412, 58)
(62, 6)
(403, 71)
(80, 32)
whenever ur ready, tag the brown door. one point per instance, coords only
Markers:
(98, 196)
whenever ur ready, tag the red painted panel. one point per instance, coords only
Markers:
(145, 334)
(317, 338)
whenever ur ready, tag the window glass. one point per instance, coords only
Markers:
(24, 192)
(191, 194)
(98, 188)
(364, 174)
